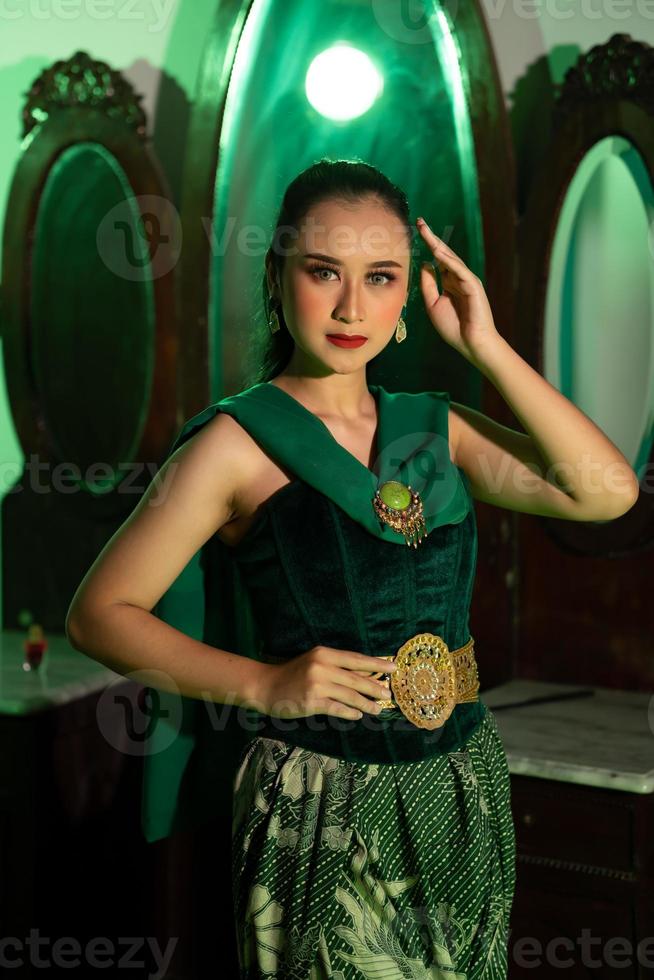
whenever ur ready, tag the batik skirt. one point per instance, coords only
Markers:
(352, 870)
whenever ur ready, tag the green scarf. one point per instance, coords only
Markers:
(193, 748)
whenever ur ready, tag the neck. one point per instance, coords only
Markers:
(334, 396)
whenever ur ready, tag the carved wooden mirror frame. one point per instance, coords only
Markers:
(77, 106)
(607, 93)
(89, 328)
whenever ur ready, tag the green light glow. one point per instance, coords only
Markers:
(343, 83)
(599, 309)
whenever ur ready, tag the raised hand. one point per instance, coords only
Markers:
(461, 313)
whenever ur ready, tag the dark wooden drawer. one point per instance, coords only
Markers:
(575, 825)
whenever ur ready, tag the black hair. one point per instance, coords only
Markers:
(349, 181)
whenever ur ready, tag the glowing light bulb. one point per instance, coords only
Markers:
(342, 82)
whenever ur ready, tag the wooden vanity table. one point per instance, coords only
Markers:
(582, 783)
(73, 862)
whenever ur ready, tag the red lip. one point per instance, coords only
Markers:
(342, 340)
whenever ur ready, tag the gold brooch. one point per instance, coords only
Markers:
(401, 508)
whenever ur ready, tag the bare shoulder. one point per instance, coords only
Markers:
(224, 454)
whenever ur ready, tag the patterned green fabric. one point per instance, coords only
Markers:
(357, 871)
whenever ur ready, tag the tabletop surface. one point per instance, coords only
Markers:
(64, 675)
(602, 739)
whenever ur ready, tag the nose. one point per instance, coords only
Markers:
(350, 309)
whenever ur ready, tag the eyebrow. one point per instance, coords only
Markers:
(328, 258)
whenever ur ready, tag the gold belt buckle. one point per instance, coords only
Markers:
(424, 683)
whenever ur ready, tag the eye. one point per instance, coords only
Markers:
(321, 268)
(327, 268)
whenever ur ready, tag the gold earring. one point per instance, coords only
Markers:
(400, 330)
(273, 322)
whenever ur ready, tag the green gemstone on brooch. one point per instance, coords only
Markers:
(394, 494)
(401, 508)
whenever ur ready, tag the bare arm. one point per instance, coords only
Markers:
(132, 641)
(110, 618)
(564, 467)
(522, 471)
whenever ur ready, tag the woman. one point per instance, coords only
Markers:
(372, 830)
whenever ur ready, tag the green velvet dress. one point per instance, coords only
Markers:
(360, 849)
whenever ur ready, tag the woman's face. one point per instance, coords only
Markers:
(346, 272)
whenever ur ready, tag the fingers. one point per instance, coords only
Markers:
(353, 689)
(360, 661)
(430, 284)
(337, 710)
(442, 252)
(348, 678)
(375, 688)
(351, 697)
(434, 242)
